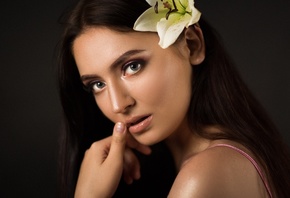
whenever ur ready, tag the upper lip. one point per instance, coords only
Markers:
(134, 119)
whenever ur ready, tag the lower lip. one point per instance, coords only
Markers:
(141, 126)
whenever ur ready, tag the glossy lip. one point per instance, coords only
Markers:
(139, 126)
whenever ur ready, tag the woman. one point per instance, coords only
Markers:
(178, 87)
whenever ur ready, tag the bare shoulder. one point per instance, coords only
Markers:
(218, 172)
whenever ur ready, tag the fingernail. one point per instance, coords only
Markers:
(120, 127)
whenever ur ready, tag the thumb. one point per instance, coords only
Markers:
(118, 142)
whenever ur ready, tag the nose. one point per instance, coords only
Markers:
(120, 98)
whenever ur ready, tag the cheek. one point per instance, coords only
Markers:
(150, 90)
(168, 88)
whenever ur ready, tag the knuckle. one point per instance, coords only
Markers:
(95, 146)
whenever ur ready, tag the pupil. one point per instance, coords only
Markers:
(99, 84)
(134, 67)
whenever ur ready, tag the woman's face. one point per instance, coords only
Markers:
(135, 81)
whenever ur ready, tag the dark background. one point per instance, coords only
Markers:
(255, 32)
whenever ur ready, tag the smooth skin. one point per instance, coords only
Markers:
(104, 163)
(131, 76)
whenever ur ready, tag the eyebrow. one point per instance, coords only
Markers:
(115, 64)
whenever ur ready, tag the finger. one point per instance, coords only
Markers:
(118, 143)
(131, 166)
(113, 165)
(134, 144)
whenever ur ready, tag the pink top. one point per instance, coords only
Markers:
(255, 164)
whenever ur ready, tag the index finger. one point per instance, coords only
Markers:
(134, 144)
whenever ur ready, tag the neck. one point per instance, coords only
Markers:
(184, 143)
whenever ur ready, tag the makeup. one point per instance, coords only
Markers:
(140, 125)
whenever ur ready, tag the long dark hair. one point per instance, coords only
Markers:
(219, 98)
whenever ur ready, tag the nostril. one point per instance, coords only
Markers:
(122, 107)
(130, 105)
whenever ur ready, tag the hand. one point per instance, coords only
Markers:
(105, 161)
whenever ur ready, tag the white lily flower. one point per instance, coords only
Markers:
(168, 18)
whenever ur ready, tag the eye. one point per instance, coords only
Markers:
(96, 86)
(132, 67)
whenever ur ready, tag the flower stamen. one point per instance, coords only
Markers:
(156, 7)
(169, 6)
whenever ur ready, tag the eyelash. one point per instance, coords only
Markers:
(90, 86)
(140, 64)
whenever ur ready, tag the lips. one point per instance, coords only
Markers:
(139, 124)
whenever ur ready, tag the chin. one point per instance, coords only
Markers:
(147, 139)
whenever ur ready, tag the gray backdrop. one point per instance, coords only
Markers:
(255, 32)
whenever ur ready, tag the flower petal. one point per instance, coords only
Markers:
(166, 21)
(148, 20)
(151, 2)
(169, 30)
(195, 16)
(182, 5)
(189, 4)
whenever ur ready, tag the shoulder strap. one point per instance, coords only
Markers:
(255, 164)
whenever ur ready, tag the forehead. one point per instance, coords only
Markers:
(101, 46)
